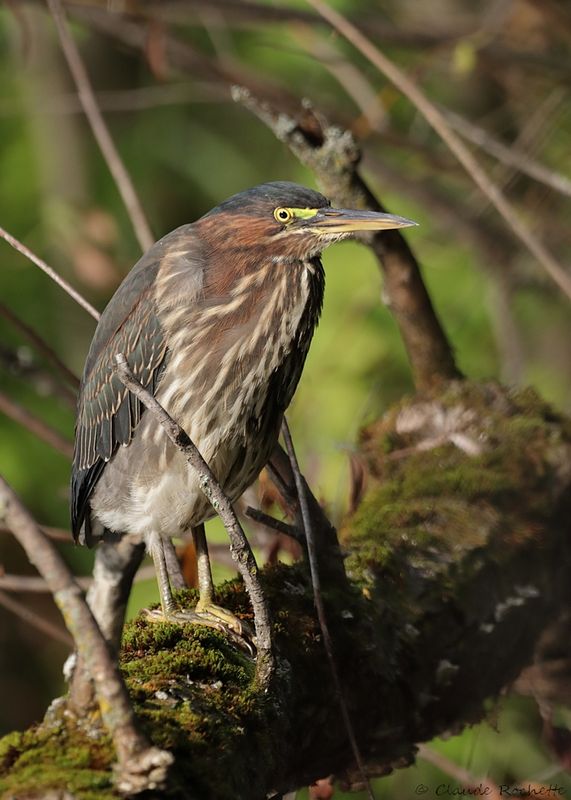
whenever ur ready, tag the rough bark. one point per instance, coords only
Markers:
(457, 557)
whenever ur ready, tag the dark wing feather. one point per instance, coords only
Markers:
(107, 414)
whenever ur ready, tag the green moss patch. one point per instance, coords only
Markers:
(52, 757)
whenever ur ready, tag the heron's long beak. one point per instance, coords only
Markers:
(346, 220)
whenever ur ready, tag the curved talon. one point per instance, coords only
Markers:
(211, 616)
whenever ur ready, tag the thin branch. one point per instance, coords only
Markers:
(455, 771)
(32, 584)
(35, 425)
(37, 585)
(56, 534)
(127, 100)
(142, 765)
(349, 77)
(17, 362)
(320, 608)
(531, 134)
(508, 155)
(486, 234)
(239, 546)
(277, 525)
(99, 128)
(40, 344)
(249, 13)
(63, 284)
(281, 473)
(285, 490)
(436, 119)
(35, 620)
(181, 55)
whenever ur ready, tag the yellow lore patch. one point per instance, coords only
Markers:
(285, 215)
(304, 213)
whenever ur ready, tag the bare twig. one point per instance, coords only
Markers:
(40, 344)
(99, 128)
(535, 128)
(56, 534)
(35, 620)
(281, 473)
(181, 55)
(249, 13)
(239, 546)
(455, 771)
(63, 284)
(127, 100)
(274, 524)
(35, 425)
(509, 155)
(491, 240)
(506, 327)
(485, 233)
(32, 584)
(353, 81)
(141, 765)
(320, 608)
(37, 585)
(17, 362)
(285, 490)
(333, 155)
(436, 119)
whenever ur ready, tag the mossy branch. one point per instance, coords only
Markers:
(140, 765)
(455, 557)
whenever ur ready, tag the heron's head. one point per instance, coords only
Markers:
(283, 221)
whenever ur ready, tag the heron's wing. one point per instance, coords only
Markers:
(108, 413)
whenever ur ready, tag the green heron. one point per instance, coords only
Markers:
(215, 320)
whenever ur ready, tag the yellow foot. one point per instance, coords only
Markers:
(212, 616)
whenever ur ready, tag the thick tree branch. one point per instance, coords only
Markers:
(452, 583)
(140, 764)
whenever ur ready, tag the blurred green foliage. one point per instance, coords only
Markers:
(187, 155)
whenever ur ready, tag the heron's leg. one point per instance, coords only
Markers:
(206, 612)
(206, 608)
(205, 583)
(157, 547)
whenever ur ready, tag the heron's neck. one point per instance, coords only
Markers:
(251, 330)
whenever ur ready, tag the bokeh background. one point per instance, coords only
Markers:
(499, 68)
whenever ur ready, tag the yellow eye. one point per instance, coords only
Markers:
(283, 215)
